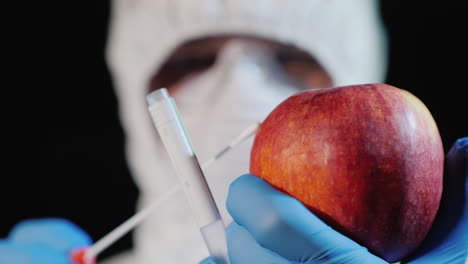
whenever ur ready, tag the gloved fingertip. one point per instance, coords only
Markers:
(462, 143)
(457, 158)
(460, 147)
(242, 180)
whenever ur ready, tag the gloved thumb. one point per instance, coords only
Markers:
(283, 225)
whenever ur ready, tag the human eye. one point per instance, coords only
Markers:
(176, 69)
(190, 64)
(303, 67)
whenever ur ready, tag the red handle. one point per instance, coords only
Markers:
(78, 257)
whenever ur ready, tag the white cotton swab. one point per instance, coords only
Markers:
(128, 225)
(109, 239)
(248, 132)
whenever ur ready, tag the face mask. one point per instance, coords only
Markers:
(242, 88)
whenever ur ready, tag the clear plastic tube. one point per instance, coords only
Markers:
(172, 132)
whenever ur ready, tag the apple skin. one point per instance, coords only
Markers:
(367, 159)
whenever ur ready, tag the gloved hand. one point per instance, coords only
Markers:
(293, 234)
(42, 241)
(447, 242)
(272, 227)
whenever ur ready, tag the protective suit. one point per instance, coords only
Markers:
(242, 87)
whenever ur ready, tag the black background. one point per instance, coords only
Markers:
(62, 146)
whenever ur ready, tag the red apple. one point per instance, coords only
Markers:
(366, 159)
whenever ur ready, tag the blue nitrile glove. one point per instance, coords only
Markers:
(42, 241)
(447, 242)
(272, 227)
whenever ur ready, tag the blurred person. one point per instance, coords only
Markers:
(227, 64)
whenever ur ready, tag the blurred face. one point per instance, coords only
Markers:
(195, 57)
(223, 84)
